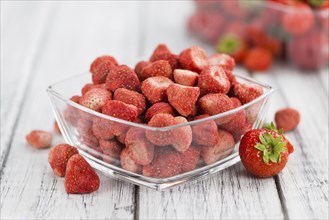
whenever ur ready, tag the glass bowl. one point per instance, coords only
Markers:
(76, 124)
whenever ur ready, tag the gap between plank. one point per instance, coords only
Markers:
(136, 202)
(280, 193)
(30, 73)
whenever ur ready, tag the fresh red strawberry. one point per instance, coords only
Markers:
(287, 119)
(220, 150)
(172, 59)
(247, 92)
(71, 114)
(263, 152)
(111, 148)
(154, 88)
(157, 68)
(80, 177)
(271, 126)
(183, 98)
(205, 133)
(160, 49)
(235, 27)
(131, 97)
(233, 45)
(39, 139)
(139, 148)
(213, 79)
(129, 164)
(157, 108)
(190, 158)
(122, 77)
(222, 60)
(193, 58)
(109, 60)
(161, 138)
(56, 128)
(95, 99)
(102, 128)
(258, 59)
(165, 164)
(58, 157)
(185, 77)
(86, 134)
(298, 19)
(181, 138)
(139, 68)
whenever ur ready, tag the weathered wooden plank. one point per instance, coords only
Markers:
(29, 189)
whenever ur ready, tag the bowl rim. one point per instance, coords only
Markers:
(268, 91)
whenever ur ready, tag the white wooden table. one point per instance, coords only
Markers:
(44, 42)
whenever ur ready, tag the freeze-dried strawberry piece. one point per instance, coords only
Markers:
(129, 164)
(122, 77)
(120, 110)
(161, 138)
(95, 99)
(56, 128)
(205, 133)
(139, 68)
(154, 88)
(71, 114)
(109, 60)
(190, 158)
(247, 92)
(193, 58)
(131, 97)
(39, 139)
(90, 86)
(157, 108)
(165, 164)
(213, 79)
(157, 68)
(223, 60)
(181, 138)
(80, 176)
(111, 148)
(287, 119)
(102, 128)
(237, 126)
(160, 49)
(215, 103)
(58, 157)
(172, 59)
(122, 137)
(139, 148)
(183, 98)
(86, 134)
(101, 67)
(185, 77)
(222, 149)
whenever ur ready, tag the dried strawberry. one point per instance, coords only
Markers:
(181, 138)
(139, 68)
(287, 119)
(237, 126)
(122, 77)
(183, 98)
(258, 59)
(222, 60)
(205, 133)
(101, 67)
(86, 134)
(161, 138)
(222, 149)
(102, 128)
(86, 88)
(236, 9)
(157, 68)
(193, 58)
(122, 137)
(80, 177)
(160, 49)
(111, 148)
(39, 139)
(100, 60)
(213, 79)
(190, 158)
(131, 97)
(172, 59)
(157, 108)
(139, 148)
(186, 77)
(71, 114)
(95, 98)
(154, 88)
(129, 164)
(58, 157)
(56, 128)
(247, 92)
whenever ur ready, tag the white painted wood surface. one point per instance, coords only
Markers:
(43, 42)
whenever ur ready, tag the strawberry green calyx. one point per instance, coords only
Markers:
(271, 126)
(316, 3)
(229, 44)
(271, 147)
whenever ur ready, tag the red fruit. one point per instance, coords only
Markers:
(131, 97)
(247, 92)
(220, 150)
(71, 114)
(222, 60)
(86, 88)
(205, 133)
(157, 108)
(154, 88)
(272, 127)
(160, 49)
(119, 109)
(213, 79)
(56, 128)
(233, 45)
(80, 177)
(139, 68)
(102, 128)
(139, 148)
(237, 126)
(183, 98)
(58, 157)
(122, 77)
(193, 58)
(298, 19)
(111, 148)
(190, 158)
(235, 8)
(258, 59)
(161, 138)
(263, 152)
(39, 139)
(121, 137)
(185, 77)
(101, 67)
(165, 164)
(157, 68)
(129, 164)
(95, 99)
(287, 119)
(172, 59)
(101, 60)
(181, 138)
(86, 134)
